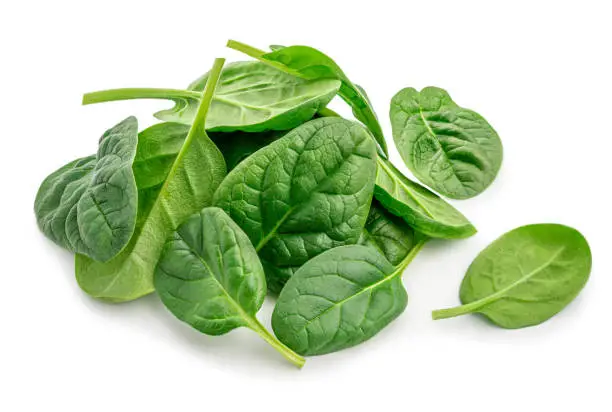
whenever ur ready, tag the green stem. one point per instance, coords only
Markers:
(137, 93)
(412, 254)
(458, 310)
(287, 353)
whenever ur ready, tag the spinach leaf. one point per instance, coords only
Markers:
(423, 210)
(339, 299)
(237, 146)
(525, 277)
(210, 277)
(309, 63)
(303, 194)
(251, 97)
(89, 206)
(388, 234)
(450, 149)
(191, 181)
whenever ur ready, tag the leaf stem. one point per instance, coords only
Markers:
(457, 310)
(412, 254)
(137, 93)
(287, 353)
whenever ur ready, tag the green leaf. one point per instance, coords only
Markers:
(450, 149)
(210, 277)
(89, 206)
(251, 97)
(525, 277)
(191, 181)
(237, 146)
(309, 63)
(425, 211)
(339, 299)
(303, 194)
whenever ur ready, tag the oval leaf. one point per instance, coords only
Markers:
(303, 194)
(450, 149)
(525, 277)
(89, 206)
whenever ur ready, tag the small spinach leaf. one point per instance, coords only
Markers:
(425, 211)
(525, 277)
(339, 299)
(89, 206)
(210, 277)
(251, 97)
(310, 63)
(303, 194)
(450, 149)
(388, 234)
(191, 181)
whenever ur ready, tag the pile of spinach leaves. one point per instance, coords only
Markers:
(252, 185)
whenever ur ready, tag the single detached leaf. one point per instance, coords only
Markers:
(388, 234)
(339, 299)
(450, 149)
(189, 185)
(89, 206)
(525, 277)
(210, 277)
(303, 194)
(251, 97)
(425, 211)
(310, 63)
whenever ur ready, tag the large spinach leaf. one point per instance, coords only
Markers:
(89, 206)
(339, 299)
(309, 63)
(303, 194)
(423, 210)
(251, 97)
(450, 149)
(210, 277)
(525, 277)
(191, 181)
(388, 234)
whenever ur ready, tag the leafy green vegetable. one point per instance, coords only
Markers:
(303, 194)
(339, 299)
(237, 146)
(525, 277)
(191, 181)
(450, 149)
(309, 63)
(210, 277)
(251, 97)
(423, 210)
(388, 234)
(89, 206)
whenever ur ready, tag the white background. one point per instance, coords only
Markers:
(538, 71)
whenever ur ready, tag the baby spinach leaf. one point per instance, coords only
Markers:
(210, 277)
(303, 194)
(388, 234)
(423, 210)
(525, 277)
(309, 63)
(191, 181)
(450, 149)
(339, 299)
(89, 206)
(251, 97)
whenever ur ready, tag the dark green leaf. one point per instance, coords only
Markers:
(89, 206)
(450, 149)
(525, 277)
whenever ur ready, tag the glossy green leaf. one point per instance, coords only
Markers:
(450, 149)
(210, 277)
(251, 97)
(339, 299)
(525, 277)
(191, 181)
(425, 211)
(303, 194)
(89, 206)
(388, 234)
(309, 63)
